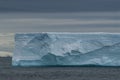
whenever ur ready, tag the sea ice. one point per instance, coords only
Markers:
(66, 49)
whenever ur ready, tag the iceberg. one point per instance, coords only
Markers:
(66, 49)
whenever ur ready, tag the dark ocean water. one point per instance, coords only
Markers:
(7, 72)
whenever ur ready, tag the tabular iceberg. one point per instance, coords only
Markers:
(66, 49)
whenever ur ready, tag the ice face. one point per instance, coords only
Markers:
(66, 49)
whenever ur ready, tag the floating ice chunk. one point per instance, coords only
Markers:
(66, 49)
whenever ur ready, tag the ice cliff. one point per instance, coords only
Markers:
(66, 49)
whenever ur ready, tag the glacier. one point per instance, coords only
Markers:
(66, 49)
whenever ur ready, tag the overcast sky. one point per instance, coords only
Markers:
(59, 15)
(58, 5)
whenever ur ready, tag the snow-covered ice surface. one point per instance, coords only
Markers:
(66, 49)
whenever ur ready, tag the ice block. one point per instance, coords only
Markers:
(66, 49)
